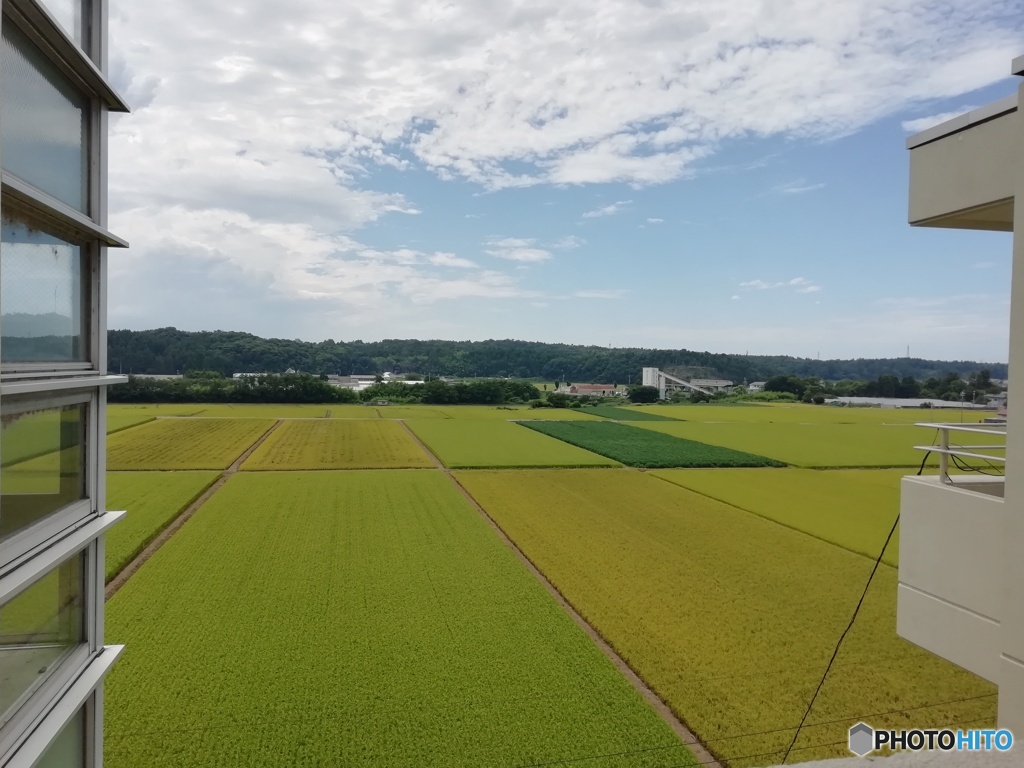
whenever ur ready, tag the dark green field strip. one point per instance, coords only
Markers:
(626, 414)
(639, 448)
(359, 618)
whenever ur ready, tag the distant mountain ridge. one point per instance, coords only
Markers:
(168, 351)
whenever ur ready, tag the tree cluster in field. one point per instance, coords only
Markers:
(169, 351)
(949, 387)
(211, 387)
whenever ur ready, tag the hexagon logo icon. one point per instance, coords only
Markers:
(862, 739)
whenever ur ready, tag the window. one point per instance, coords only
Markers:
(42, 464)
(68, 749)
(42, 293)
(44, 121)
(38, 629)
(71, 15)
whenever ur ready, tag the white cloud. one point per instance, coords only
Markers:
(470, 91)
(922, 123)
(655, 221)
(600, 294)
(796, 187)
(798, 284)
(451, 260)
(608, 210)
(735, 297)
(516, 249)
(256, 125)
(568, 243)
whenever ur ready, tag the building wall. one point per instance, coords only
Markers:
(53, 384)
(1011, 684)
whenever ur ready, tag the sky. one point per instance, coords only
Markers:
(729, 177)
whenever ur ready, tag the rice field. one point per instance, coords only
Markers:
(729, 616)
(626, 414)
(167, 444)
(153, 500)
(371, 617)
(352, 619)
(639, 448)
(800, 413)
(854, 509)
(812, 445)
(489, 443)
(337, 444)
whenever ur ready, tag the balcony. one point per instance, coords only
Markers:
(959, 176)
(950, 573)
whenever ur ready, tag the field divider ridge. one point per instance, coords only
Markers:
(704, 755)
(175, 525)
(426, 449)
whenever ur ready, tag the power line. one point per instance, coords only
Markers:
(835, 652)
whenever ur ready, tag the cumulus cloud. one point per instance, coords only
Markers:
(655, 221)
(516, 249)
(608, 210)
(568, 243)
(798, 284)
(922, 123)
(256, 126)
(507, 97)
(451, 260)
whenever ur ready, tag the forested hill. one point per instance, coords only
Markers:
(168, 350)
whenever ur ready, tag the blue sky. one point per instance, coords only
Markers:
(619, 173)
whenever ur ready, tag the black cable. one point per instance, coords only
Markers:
(842, 637)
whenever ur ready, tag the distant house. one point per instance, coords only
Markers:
(593, 390)
(755, 386)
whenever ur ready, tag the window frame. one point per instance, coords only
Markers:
(24, 543)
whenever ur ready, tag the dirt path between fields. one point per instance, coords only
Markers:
(689, 738)
(137, 562)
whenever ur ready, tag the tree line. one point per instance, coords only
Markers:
(170, 351)
(213, 387)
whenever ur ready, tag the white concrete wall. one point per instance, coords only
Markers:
(1011, 683)
(963, 171)
(950, 573)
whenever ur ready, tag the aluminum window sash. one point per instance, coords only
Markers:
(35, 21)
(22, 577)
(41, 694)
(31, 386)
(23, 405)
(74, 697)
(50, 208)
(22, 546)
(19, 371)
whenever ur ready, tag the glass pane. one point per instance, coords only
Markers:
(68, 749)
(37, 629)
(41, 295)
(71, 15)
(42, 122)
(41, 464)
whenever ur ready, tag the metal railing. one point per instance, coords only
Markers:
(949, 451)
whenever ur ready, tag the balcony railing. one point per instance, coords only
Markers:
(987, 458)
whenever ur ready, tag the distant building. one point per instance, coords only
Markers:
(756, 386)
(593, 390)
(712, 385)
